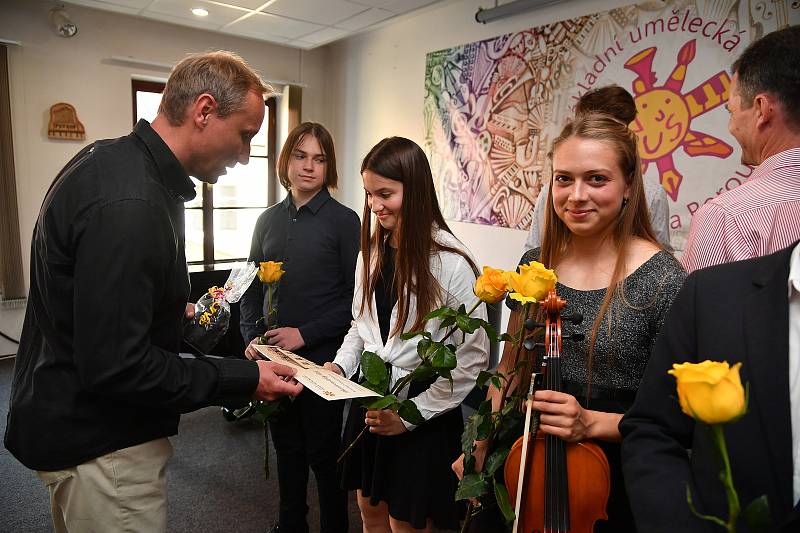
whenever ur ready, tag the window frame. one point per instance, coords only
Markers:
(207, 190)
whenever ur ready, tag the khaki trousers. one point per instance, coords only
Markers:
(124, 490)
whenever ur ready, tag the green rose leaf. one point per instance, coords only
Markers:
(503, 503)
(469, 463)
(484, 428)
(467, 324)
(489, 329)
(268, 410)
(408, 411)
(470, 434)
(483, 377)
(505, 337)
(442, 312)
(380, 388)
(424, 348)
(423, 371)
(471, 486)
(383, 403)
(447, 322)
(411, 334)
(443, 358)
(509, 429)
(485, 408)
(374, 368)
(496, 382)
(756, 515)
(508, 407)
(496, 460)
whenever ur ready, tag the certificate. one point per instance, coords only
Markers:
(319, 380)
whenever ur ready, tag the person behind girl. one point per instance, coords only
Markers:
(409, 265)
(316, 238)
(613, 271)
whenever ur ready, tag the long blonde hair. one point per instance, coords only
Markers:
(634, 216)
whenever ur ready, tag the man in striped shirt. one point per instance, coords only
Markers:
(762, 215)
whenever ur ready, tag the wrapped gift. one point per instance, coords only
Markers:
(212, 312)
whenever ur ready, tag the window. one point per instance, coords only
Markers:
(221, 218)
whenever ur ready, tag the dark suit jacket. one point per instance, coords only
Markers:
(734, 312)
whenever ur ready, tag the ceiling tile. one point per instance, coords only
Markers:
(373, 3)
(367, 18)
(325, 35)
(217, 17)
(246, 4)
(261, 36)
(264, 24)
(117, 7)
(404, 6)
(200, 23)
(327, 12)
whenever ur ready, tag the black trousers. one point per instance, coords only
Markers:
(308, 434)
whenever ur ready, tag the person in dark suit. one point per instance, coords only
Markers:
(748, 312)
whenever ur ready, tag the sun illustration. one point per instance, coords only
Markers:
(664, 119)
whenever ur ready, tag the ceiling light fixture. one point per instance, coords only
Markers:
(62, 23)
(199, 12)
(510, 9)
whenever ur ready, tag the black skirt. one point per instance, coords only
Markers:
(410, 472)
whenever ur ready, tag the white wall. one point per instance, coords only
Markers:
(48, 69)
(377, 90)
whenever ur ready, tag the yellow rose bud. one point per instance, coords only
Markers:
(531, 283)
(491, 286)
(710, 391)
(270, 271)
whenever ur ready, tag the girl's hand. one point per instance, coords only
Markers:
(333, 368)
(479, 453)
(250, 352)
(384, 422)
(562, 416)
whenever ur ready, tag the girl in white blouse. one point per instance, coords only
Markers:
(416, 265)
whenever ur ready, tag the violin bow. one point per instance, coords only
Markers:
(524, 457)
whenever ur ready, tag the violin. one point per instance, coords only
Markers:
(564, 486)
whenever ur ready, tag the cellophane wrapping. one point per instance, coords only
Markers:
(212, 312)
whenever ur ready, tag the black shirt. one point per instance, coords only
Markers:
(97, 368)
(318, 245)
(385, 293)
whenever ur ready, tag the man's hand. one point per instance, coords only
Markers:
(286, 338)
(384, 422)
(275, 380)
(189, 313)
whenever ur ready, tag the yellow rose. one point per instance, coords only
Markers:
(491, 286)
(710, 391)
(270, 271)
(531, 283)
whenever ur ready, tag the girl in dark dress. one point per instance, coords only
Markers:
(612, 270)
(409, 265)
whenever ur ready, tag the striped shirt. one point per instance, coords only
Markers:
(756, 218)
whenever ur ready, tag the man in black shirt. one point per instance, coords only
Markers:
(98, 383)
(317, 239)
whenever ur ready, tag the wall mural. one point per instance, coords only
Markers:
(493, 107)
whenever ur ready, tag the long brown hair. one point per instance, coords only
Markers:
(400, 159)
(634, 216)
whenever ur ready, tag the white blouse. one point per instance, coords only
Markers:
(456, 278)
